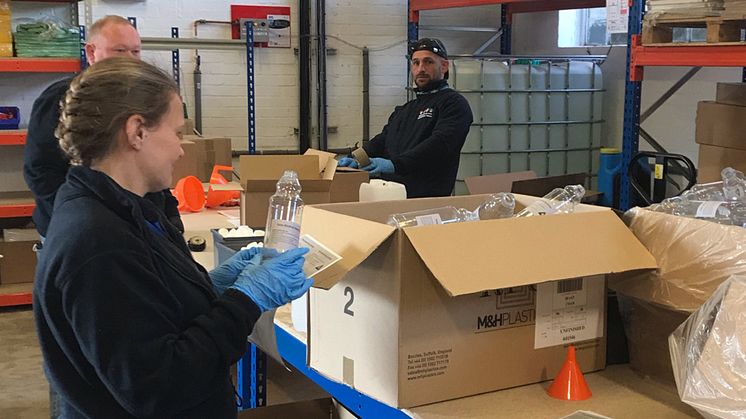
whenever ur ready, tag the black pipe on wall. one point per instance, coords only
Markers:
(304, 65)
(321, 72)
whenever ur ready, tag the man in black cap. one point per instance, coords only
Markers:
(421, 143)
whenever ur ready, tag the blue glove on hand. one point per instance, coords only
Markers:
(348, 162)
(277, 280)
(379, 166)
(226, 274)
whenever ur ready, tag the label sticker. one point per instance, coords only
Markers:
(430, 219)
(708, 209)
(283, 235)
(318, 258)
(541, 207)
(658, 171)
(569, 311)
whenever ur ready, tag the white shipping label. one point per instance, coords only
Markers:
(283, 235)
(318, 258)
(708, 209)
(541, 207)
(426, 220)
(569, 311)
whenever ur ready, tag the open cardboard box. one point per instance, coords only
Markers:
(431, 313)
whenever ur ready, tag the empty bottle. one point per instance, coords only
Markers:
(734, 184)
(721, 212)
(559, 201)
(285, 211)
(712, 191)
(499, 205)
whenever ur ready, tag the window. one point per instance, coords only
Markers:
(586, 27)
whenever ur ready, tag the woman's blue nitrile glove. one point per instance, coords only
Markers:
(348, 162)
(226, 274)
(379, 166)
(277, 280)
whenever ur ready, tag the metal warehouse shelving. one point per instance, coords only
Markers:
(696, 55)
(19, 205)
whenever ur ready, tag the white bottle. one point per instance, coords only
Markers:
(498, 205)
(558, 201)
(284, 217)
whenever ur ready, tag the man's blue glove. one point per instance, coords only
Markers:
(347, 162)
(226, 274)
(277, 280)
(379, 166)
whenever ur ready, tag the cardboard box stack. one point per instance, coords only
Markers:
(17, 256)
(200, 155)
(721, 132)
(694, 257)
(431, 313)
(6, 33)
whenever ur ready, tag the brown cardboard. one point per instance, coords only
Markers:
(501, 182)
(346, 185)
(259, 175)
(713, 159)
(212, 151)
(731, 94)
(188, 164)
(647, 327)
(18, 261)
(721, 125)
(307, 409)
(402, 299)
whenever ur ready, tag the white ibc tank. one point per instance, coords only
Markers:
(523, 105)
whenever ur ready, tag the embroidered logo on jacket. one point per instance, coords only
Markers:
(426, 113)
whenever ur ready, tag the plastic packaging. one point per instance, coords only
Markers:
(499, 205)
(285, 212)
(558, 201)
(708, 353)
(694, 257)
(382, 190)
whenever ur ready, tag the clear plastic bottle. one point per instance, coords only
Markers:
(500, 205)
(712, 191)
(285, 211)
(734, 184)
(559, 201)
(721, 212)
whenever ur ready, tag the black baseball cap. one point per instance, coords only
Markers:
(428, 44)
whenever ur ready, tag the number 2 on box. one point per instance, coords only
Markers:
(347, 310)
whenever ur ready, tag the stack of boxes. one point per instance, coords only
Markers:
(201, 154)
(720, 132)
(6, 33)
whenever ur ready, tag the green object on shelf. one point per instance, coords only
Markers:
(46, 39)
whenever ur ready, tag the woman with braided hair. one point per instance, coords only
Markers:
(129, 324)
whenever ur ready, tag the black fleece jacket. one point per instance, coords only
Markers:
(128, 322)
(423, 138)
(45, 165)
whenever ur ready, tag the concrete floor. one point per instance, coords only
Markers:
(24, 392)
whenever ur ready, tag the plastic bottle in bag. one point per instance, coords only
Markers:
(734, 184)
(558, 201)
(499, 205)
(721, 212)
(712, 191)
(285, 211)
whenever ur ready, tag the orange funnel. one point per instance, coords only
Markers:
(569, 384)
(190, 194)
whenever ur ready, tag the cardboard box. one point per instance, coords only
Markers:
(731, 94)
(713, 159)
(259, 175)
(346, 184)
(501, 182)
(188, 164)
(721, 125)
(694, 257)
(212, 151)
(431, 313)
(18, 259)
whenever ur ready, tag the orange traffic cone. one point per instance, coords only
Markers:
(569, 383)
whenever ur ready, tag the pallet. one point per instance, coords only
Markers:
(719, 29)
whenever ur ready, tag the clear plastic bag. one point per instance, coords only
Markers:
(708, 353)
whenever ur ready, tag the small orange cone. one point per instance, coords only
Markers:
(569, 383)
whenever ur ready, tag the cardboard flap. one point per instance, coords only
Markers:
(502, 182)
(324, 158)
(476, 256)
(272, 167)
(334, 231)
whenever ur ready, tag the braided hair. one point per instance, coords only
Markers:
(101, 99)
